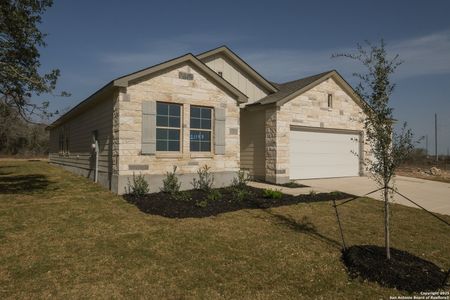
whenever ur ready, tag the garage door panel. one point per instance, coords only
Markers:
(322, 154)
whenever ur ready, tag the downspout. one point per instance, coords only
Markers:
(96, 162)
(96, 150)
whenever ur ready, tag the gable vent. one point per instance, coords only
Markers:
(185, 76)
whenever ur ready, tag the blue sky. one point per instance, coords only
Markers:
(92, 42)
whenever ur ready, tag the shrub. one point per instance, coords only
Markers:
(183, 196)
(205, 179)
(335, 193)
(239, 186)
(272, 194)
(171, 185)
(312, 193)
(240, 194)
(139, 186)
(201, 203)
(241, 180)
(214, 195)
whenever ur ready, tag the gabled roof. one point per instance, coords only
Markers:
(124, 81)
(289, 90)
(241, 63)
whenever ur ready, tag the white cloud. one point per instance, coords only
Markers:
(157, 51)
(423, 55)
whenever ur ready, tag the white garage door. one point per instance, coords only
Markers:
(323, 154)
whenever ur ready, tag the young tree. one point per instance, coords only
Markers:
(388, 147)
(19, 56)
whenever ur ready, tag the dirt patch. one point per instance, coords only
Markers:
(425, 172)
(403, 271)
(164, 204)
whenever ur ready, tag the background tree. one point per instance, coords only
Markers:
(18, 137)
(388, 147)
(20, 39)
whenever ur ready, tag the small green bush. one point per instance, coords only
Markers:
(335, 193)
(205, 179)
(214, 195)
(183, 196)
(272, 194)
(171, 185)
(240, 194)
(240, 181)
(312, 193)
(201, 203)
(139, 186)
(239, 186)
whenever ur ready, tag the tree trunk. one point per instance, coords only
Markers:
(386, 222)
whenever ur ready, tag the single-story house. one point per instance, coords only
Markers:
(211, 109)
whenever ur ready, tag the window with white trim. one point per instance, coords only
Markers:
(200, 129)
(168, 126)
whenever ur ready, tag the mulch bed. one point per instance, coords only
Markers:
(290, 184)
(403, 271)
(164, 204)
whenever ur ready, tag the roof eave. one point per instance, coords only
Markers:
(344, 84)
(125, 80)
(258, 77)
(106, 88)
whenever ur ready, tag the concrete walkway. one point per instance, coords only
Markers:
(432, 195)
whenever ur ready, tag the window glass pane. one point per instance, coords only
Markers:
(174, 146)
(174, 122)
(195, 123)
(195, 146)
(197, 135)
(174, 110)
(195, 112)
(206, 135)
(161, 134)
(206, 124)
(200, 140)
(206, 113)
(162, 121)
(174, 135)
(162, 108)
(161, 145)
(205, 146)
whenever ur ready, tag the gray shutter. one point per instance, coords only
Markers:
(148, 127)
(219, 130)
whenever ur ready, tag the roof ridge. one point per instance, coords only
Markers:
(303, 78)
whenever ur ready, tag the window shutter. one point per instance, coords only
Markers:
(219, 131)
(148, 127)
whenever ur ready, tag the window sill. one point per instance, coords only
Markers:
(169, 155)
(202, 155)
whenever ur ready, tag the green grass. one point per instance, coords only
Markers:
(63, 236)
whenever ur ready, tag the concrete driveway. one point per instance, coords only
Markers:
(432, 195)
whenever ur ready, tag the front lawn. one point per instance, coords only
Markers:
(63, 236)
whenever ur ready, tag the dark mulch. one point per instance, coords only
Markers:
(403, 271)
(290, 184)
(165, 205)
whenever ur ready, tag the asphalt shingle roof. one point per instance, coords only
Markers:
(287, 88)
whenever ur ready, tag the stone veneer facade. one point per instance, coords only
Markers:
(309, 109)
(168, 87)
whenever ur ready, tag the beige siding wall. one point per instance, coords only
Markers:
(79, 129)
(167, 87)
(309, 109)
(235, 76)
(253, 142)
